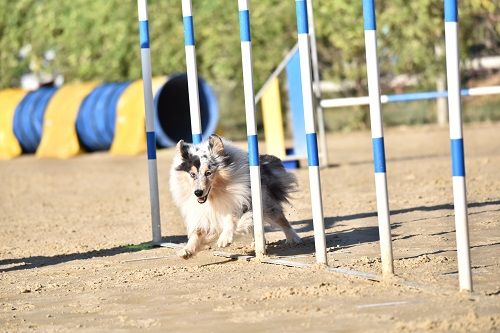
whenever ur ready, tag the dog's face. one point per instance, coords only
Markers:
(202, 163)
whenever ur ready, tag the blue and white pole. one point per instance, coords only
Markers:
(457, 144)
(384, 226)
(192, 72)
(311, 137)
(150, 124)
(253, 144)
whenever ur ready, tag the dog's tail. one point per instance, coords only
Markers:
(279, 182)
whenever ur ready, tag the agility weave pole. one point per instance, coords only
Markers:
(311, 137)
(384, 226)
(317, 92)
(253, 142)
(150, 125)
(457, 144)
(192, 71)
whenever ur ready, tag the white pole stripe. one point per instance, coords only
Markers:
(142, 9)
(246, 59)
(187, 8)
(455, 118)
(305, 72)
(194, 100)
(242, 5)
(373, 83)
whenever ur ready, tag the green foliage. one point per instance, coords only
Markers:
(98, 39)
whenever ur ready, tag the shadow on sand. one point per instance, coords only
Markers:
(342, 239)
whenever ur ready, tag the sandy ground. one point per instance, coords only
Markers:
(67, 263)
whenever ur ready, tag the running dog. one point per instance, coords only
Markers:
(210, 183)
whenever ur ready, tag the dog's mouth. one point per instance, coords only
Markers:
(203, 199)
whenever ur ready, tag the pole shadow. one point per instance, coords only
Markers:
(43, 261)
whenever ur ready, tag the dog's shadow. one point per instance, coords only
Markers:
(337, 240)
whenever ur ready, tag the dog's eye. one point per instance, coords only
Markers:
(192, 174)
(208, 173)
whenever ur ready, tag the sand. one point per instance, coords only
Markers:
(74, 254)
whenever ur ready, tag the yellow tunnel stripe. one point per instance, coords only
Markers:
(59, 137)
(9, 99)
(130, 129)
(273, 120)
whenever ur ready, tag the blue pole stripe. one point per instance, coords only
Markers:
(457, 157)
(378, 154)
(450, 11)
(253, 150)
(188, 30)
(302, 24)
(151, 142)
(369, 14)
(245, 26)
(144, 34)
(196, 138)
(312, 149)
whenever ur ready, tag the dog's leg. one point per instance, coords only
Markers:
(195, 241)
(279, 220)
(227, 234)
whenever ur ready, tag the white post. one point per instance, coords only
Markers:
(150, 125)
(317, 92)
(457, 144)
(192, 72)
(253, 143)
(311, 137)
(384, 226)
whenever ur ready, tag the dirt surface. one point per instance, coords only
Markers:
(73, 258)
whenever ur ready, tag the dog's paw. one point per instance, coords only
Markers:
(293, 240)
(185, 253)
(225, 239)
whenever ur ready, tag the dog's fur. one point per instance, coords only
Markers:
(210, 183)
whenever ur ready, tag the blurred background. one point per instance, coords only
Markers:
(54, 41)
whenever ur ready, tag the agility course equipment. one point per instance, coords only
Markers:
(377, 130)
(253, 142)
(28, 118)
(407, 97)
(63, 122)
(310, 128)
(374, 100)
(457, 144)
(190, 50)
(9, 99)
(60, 138)
(150, 121)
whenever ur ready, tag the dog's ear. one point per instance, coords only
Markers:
(215, 144)
(182, 149)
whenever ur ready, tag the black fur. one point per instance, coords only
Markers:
(188, 160)
(275, 178)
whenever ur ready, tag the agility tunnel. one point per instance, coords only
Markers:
(86, 117)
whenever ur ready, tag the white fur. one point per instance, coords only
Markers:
(223, 214)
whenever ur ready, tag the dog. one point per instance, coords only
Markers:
(210, 184)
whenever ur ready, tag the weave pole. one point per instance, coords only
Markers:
(457, 144)
(150, 124)
(311, 137)
(317, 92)
(384, 227)
(253, 142)
(192, 72)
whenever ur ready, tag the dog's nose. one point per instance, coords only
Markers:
(198, 193)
